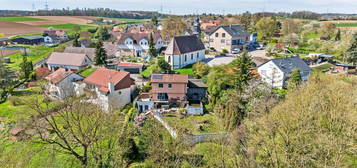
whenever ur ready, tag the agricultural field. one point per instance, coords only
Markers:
(50, 20)
(126, 20)
(20, 19)
(13, 28)
(67, 26)
(344, 24)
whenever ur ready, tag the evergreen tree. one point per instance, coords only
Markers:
(75, 41)
(102, 33)
(338, 35)
(295, 79)
(351, 52)
(26, 67)
(163, 65)
(100, 54)
(152, 49)
(242, 66)
(7, 77)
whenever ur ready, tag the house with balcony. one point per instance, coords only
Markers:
(230, 38)
(110, 89)
(137, 44)
(184, 50)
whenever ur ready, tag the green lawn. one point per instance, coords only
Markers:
(126, 20)
(346, 24)
(322, 68)
(25, 35)
(35, 54)
(20, 19)
(191, 124)
(15, 107)
(87, 72)
(185, 70)
(68, 26)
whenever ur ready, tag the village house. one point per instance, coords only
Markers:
(276, 72)
(112, 89)
(173, 91)
(230, 38)
(52, 36)
(61, 83)
(137, 44)
(111, 49)
(72, 61)
(30, 40)
(184, 50)
(90, 52)
(167, 90)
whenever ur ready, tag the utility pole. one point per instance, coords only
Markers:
(46, 5)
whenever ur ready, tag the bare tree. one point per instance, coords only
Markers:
(82, 130)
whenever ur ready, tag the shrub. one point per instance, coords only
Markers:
(224, 51)
(16, 101)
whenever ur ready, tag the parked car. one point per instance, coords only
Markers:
(236, 51)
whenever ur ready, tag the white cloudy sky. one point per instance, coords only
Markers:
(193, 6)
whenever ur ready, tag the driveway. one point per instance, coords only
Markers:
(219, 60)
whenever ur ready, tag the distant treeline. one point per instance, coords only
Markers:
(100, 12)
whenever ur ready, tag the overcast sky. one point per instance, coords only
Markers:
(193, 6)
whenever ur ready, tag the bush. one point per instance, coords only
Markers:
(224, 51)
(16, 101)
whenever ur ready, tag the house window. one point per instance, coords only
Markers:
(210, 40)
(191, 56)
(162, 96)
(161, 85)
(170, 85)
(146, 107)
(223, 34)
(185, 58)
(264, 72)
(216, 34)
(223, 41)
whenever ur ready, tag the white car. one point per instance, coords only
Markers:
(236, 51)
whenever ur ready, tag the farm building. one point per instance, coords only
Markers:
(30, 40)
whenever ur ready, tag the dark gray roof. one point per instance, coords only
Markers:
(234, 30)
(184, 44)
(196, 83)
(287, 65)
(32, 37)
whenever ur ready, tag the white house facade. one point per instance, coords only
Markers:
(184, 50)
(276, 72)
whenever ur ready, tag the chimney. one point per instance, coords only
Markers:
(111, 87)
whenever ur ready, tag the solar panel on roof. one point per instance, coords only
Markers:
(157, 76)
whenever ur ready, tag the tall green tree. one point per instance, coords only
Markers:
(100, 54)
(338, 35)
(7, 79)
(200, 69)
(163, 65)
(102, 33)
(266, 27)
(76, 40)
(152, 49)
(242, 69)
(246, 20)
(351, 53)
(26, 67)
(295, 79)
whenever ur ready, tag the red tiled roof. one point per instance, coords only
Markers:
(169, 78)
(102, 76)
(58, 75)
(42, 72)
